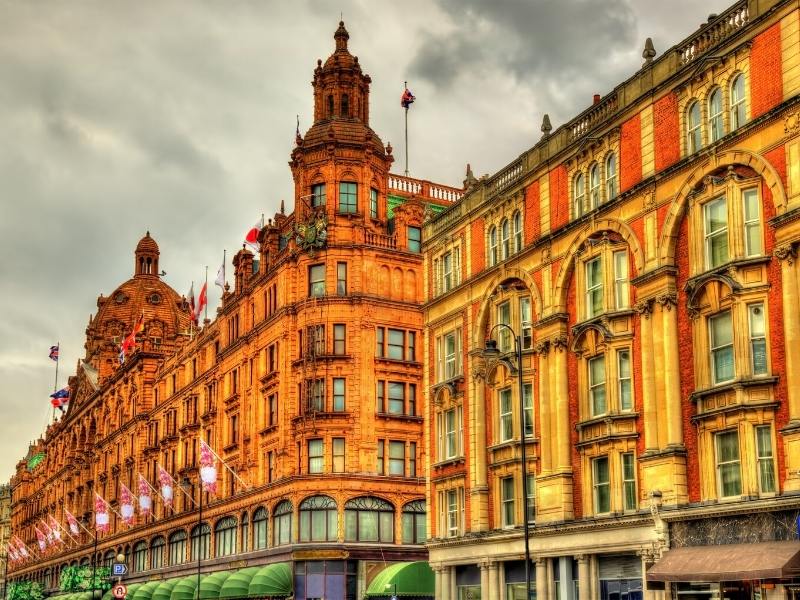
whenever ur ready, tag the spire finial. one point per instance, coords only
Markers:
(546, 126)
(649, 52)
(341, 36)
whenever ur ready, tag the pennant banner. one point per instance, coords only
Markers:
(102, 519)
(126, 509)
(145, 497)
(208, 469)
(167, 486)
(74, 529)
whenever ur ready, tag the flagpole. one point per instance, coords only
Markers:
(55, 381)
(224, 464)
(406, 87)
(205, 308)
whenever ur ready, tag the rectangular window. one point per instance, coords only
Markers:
(380, 399)
(315, 337)
(348, 197)
(452, 513)
(397, 397)
(526, 322)
(447, 272)
(341, 279)
(270, 467)
(379, 334)
(715, 217)
(414, 239)
(601, 485)
(381, 448)
(412, 399)
(318, 195)
(758, 339)
(373, 203)
(753, 244)
(507, 500)
(337, 456)
(504, 333)
(530, 505)
(766, 464)
(729, 474)
(624, 387)
(338, 394)
(450, 449)
(411, 355)
(316, 281)
(527, 395)
(316, 456)
(629, 481)
(597, 385)
(721, 344)
(315, 389)
(506, 419)
(339, 337)
(450, 355)
(396, 346)
(273, 410)
(621, 288)
(397, 458)
(412, 459)
(594, 287)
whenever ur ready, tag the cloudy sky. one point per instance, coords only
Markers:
(178, 117)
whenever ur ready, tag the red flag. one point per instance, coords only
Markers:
(126, 509)
(130, 342)
(145, 498)
(167, 486)
(101, 517)
(208, 469)
(202, 301)
(251, 238)
(73, 523)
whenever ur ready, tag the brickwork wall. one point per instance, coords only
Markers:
(766, 71)
(478, 248)
(630, 150)
(532, 217)
(559, 198)
(666, 126)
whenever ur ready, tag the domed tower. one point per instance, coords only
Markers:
(341, 165)
(164, 313)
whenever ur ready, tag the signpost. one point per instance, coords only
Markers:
(119, 569)
(119, 591)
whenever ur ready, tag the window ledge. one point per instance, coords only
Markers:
(268, 429)
(722, 270)
(385, 415)
(602, 319)
(455, 460)
(268, 376)
(319, 357)
(529, 439)
(736, 384)
(318, 415)
(397, 361)
(608, 417)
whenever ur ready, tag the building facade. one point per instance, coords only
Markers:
(644, 256)
(323, 441)
(5, 526)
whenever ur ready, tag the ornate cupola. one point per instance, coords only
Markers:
(146, 257)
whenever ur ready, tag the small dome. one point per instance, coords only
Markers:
(147, 245)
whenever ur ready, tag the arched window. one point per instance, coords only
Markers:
(225, 537)
(330, 106)
(139, 556)
(611, 177)
(245, 532)
(579, 194)
(177, 547)
(694, 140)
(368, 519)
(492, 246)
(517, 231)
(318, 519)
(414, 522)
(282, 523)
(108, 558)
(157, 552)
(594, 186)
(738, 102)
(505, 238)
(345, 106)
(716, 128)
(201, 541)
(260, 528)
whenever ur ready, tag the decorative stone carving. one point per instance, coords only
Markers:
(559, 343)
(786, 252)
(542, 347)
(791, 123)
(667, 301)
(644, 307)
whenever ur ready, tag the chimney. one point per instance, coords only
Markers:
(596, 99)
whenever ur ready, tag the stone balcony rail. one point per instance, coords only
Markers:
(712, 33)
(421, 187)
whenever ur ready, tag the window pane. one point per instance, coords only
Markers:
(758, 341)
(624, 375)
(766, 467)
(597, 385)
(396, 340)
(396, 397)
(594, 287)
(318, 195)
(752, 223)
(716, 129)
(506, 423)
(730, 480)
(716, 232)
(528, 397)
(722, 347)
(621, 293)
(347, 197)
(415, 239)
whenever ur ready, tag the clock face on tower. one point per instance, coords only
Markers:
(312, 235)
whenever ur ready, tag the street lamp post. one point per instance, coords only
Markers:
(94, 556)
(491, 352)
(186, 485)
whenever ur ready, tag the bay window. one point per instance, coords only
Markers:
(507, 501)
(715, 218)
(721, 347)
(765, 459)
(729, 473)
(506, 422)
(597, 385)
(594, 287)
(601, 485)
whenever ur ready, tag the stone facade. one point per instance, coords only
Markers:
(308, 383)
(645, 253)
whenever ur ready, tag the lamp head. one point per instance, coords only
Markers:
(490, 351)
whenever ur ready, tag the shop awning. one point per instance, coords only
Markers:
(238, 584)
(184, 588)
(403, 579)
(272, 580)
(732, 562)
(144, 592)
(211, 585)
(163, 591)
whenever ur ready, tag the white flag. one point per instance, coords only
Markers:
(220, 281)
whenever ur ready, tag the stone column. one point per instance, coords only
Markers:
(476, 429)
(485, 585)
(584, 581)
(787, 254)
(672, 382)
(545, 435)
(494, 582)
(437, 577)
(447, 586)
(645, 310)
(561, 405)
(542, 584)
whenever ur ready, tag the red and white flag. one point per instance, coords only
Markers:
(74, 529)
(41, 538)
(126, 508)
(167, 486)
(55, 528)
(23, 549)
(145, 497)
(102, 519)
(48, 532)
(208, 468)
(251, 238)
(11, 552)
(202, 301)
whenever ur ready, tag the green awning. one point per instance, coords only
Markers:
(81, 596)
(211, 585)
(164, 589)
(238, 584)
(184, 588)
(272, 580)
(145, 591)
(109, 595)
(404, 579)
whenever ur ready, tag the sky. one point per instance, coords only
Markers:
(178, 117)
